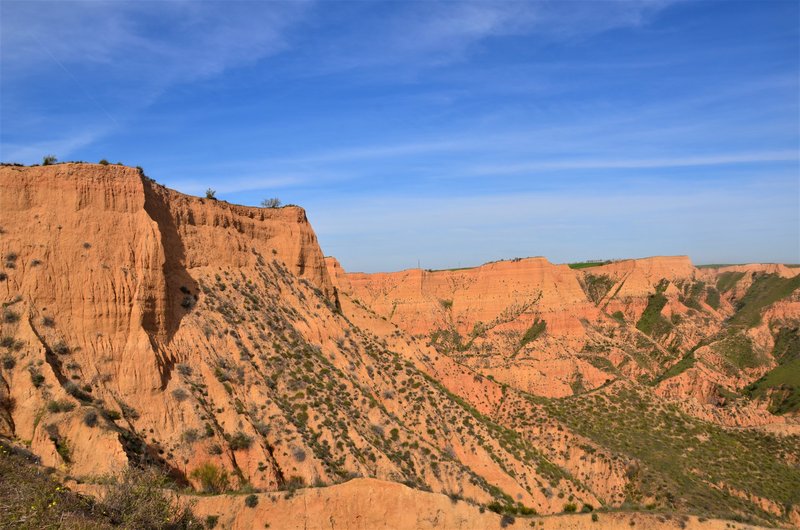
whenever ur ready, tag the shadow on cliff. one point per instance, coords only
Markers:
(161, 321)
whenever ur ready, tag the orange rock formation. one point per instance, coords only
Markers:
(143, 326)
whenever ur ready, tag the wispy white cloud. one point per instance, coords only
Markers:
(122, 56)
(634, 163)
(434, 33)
(350, 163)
(34, 151)
(134, 52)
(180, 40)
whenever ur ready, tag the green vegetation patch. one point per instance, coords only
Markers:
(787, 344)
(32, 499)
(712, 297)
(679, 367)
(597, 286)
(587, 264)
(534, 332)
(781, 385)
(692, 295)
(737, 349)
(601, 363)
(675, 458)
(726, 280)
(765, 290)
(652, 322)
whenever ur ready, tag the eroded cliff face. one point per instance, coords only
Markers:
(556, 331)
(101, 266)
(415, 299)
(513, 320)
(656, 334)
(148, 327)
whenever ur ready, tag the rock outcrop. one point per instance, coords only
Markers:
(142, 326)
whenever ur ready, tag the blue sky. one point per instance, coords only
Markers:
(441, 133)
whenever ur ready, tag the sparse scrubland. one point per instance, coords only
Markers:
(212, 351)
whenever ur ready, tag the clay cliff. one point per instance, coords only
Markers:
(720, 344)
(149, 328)
(539, 326)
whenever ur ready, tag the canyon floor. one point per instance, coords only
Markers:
(215, 343)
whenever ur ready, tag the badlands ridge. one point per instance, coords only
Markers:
(145, 327)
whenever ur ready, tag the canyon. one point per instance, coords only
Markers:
(144, 327)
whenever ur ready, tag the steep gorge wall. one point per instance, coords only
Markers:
(197, 332)
(117, 290)
(100, 268)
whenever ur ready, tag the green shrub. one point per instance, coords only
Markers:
(9, 362)
(213, 479)
(37, 379)
(294, 483)
(507, 520)
(240, 441)
(299, 454)
(60, 406)
(61, 348)
(128, 411)
(111, 415)
(570, 507)
(273, 202)
(77, 392)
(7, 403)
(62, 448)
(10, 317)
(190, 436)
(90, 418)
(251, 501)
(103, 162)
(136, 499)
(180, 394)
(49, 160)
